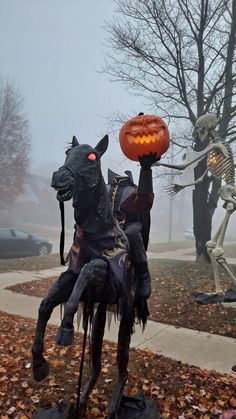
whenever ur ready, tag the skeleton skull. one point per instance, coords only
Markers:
(205, 124)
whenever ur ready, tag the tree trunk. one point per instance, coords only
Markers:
(204, 205)
(201, 216)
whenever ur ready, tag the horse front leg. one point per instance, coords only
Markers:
(58, 294)
(90, 284)
(124, 338)
(98, 327)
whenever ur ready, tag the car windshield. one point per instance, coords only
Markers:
(21, 234)
(5, 233)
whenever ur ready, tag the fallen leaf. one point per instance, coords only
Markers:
(232, 402)
(95, 411)
(11, 410)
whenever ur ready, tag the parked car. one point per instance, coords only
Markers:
(188, 234)
(15, 242)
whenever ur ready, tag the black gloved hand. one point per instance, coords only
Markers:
(146, 160)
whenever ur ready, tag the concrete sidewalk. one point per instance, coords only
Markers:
(184, 254)
(201, 349)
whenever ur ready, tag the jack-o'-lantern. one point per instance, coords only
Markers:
(144, 134)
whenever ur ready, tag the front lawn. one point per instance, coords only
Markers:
(179, 390)
(173, 283)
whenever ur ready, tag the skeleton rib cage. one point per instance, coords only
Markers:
(220, 166)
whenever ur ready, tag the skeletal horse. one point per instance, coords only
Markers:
(220, 164)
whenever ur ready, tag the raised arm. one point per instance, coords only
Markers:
(175, 188)
(215, 146)
(184, 165)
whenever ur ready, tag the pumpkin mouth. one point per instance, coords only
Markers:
(141, 139)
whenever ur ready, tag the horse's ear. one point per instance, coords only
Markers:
(75, 142)
(101, 147)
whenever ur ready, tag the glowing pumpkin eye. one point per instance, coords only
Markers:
(92, 156)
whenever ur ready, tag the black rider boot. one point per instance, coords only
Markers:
(143, 286)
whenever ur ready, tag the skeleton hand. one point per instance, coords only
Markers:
(174, 189)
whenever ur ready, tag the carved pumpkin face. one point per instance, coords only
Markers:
(144, 134)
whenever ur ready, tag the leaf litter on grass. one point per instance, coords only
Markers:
(171, 302)
(179, 390)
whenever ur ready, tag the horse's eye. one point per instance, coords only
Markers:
(92, 156)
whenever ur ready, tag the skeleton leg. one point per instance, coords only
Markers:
(218, 253)
(96, 353)
(220, 241)
(122, 361)
(211, 245)
(58, 293)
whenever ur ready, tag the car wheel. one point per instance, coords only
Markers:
(43, 250)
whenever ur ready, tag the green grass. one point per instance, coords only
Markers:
(165, 247)
(230, 250)
(32, 263)
(51, 261)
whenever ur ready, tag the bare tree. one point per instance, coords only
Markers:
(14, 144)
(180, 56)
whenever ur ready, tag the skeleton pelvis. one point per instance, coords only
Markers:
(228, 194)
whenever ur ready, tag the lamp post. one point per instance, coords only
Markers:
(170, 221)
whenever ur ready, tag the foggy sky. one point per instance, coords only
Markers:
(51, 50)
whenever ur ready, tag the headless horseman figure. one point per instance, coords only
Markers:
(131, 206)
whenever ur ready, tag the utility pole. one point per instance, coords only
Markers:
(170, 223)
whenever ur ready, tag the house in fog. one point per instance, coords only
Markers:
(37, 204)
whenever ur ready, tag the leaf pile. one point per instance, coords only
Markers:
(180, 391)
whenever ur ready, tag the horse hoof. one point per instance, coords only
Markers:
(81, 412)
(40, 370)
(111, 415)
(65, 336)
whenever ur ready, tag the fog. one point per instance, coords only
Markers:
(52, 50)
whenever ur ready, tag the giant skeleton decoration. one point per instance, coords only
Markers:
(99, 271)
(220, 164)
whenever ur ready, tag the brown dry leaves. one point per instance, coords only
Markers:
(173, 283)
(180, 391)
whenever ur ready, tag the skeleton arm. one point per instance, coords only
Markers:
(175, 188)
(178, 166)
(215, 146)
(184, 165)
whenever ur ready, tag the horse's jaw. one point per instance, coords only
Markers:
(63, 182)
(64, 194)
